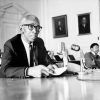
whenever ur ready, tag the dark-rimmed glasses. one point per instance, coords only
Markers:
(32, 26)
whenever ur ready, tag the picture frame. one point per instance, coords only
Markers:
(84, 24)
(60, 28)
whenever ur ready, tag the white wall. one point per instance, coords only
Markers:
(71, 8)
(31, 6)
(46, 9)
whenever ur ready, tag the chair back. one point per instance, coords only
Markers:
(82, 61)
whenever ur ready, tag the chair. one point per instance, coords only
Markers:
(58, 58)
(82, 60)
(71, 57)
(73, 60)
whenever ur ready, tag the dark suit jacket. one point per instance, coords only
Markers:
(83, 30)
(92, 61)
(14, 60)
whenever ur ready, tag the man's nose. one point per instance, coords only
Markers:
(34, 30)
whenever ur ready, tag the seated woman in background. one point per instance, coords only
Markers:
(92, 59)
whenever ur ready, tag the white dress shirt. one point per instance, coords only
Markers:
(26, 45)
(93, 53)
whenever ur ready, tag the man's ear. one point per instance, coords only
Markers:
(91, 49)
(20, 27)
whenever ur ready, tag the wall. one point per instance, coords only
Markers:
(31, 6)
(71, 8)
(46, 9)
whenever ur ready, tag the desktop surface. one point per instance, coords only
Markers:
(58, 88)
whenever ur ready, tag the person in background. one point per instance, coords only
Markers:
(25, 54)
(92, 59)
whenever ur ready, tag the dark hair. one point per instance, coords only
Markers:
(94, 44)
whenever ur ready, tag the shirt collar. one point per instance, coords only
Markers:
(93, 53)
(24, 42)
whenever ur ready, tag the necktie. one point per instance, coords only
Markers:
(31, 55)
(35, 55)
(33, 60)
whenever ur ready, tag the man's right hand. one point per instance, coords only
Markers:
(37, 71)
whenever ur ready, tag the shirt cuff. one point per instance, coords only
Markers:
(26, 72)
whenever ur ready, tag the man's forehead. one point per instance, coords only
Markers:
(28, 21)
(96, 46)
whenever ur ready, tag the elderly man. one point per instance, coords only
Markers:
(25, 54)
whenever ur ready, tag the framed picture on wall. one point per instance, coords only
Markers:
(60, 26)
(84, 24)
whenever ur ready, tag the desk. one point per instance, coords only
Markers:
(62, 88)
(90, 75)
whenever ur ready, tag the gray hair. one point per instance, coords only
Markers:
(29, 17)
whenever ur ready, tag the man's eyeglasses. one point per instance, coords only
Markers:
(32, 26)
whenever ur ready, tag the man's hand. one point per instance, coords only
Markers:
(37, 71)
(52, 68)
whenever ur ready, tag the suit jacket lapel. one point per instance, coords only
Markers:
(22, 52)
(25, 55)
(92, 55)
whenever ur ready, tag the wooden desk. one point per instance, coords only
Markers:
(62, 88)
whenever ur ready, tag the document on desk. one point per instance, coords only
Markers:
(59, 71)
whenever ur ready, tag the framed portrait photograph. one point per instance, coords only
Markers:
(84, 24)
(60, 26)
